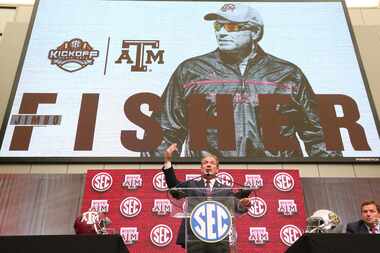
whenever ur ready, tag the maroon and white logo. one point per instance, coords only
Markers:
(253, 181)
(159, 182)
(258, 235)
(287, 207)
(73, 55)
(289, 234)
(258, 207)
(101, 182)
(100, 205)
(140, 64)
(196, 177)
(283, 182)
(228, 7)
(162, 206)
(130, 207)
(225, 179)
(132, 181)
(130, 235)
(161, 235)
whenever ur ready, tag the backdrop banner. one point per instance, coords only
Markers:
(137, 202)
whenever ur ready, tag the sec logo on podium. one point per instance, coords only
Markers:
(210, 221)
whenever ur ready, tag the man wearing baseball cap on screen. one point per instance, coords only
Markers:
(239, 67)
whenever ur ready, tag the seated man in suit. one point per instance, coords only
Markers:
(369, 224)
(209, 169)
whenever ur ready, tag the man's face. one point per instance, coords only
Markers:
(231, 41)
(370, 214)
(209, 165)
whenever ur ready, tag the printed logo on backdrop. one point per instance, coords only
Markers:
(258, 235)
(73, 55)
(132, 181)
(139, 54)
(159, 182)
(210, 221)
(287, 207)
(258, 207)
(225, 179)
(289, 234)
(101, 182)
(130, 207)
(283, 182)
(162, 207)
(130, 235)
(161, 235)
(100, 205)
(253, 181)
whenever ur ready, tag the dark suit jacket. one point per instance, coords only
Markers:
(197, 189)
(358, 227)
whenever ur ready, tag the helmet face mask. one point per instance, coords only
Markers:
(322, 221)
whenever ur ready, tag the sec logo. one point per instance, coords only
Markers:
(161, 235)
(159, 182)
(258, 207)
(289, 234)
(101, 182)
(283, 182)
(130, 207)
(225, 179)
(210, 221)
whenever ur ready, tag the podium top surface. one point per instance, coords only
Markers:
(335, 243)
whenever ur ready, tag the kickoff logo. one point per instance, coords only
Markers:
(130, 207)
(161, 235)
(283, 182)
(101, 182)
(210, 221)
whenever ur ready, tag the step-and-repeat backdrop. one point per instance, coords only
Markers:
(137, 202)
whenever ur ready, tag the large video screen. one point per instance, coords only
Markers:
(121, 81)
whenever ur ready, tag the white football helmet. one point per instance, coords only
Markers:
(323, 221)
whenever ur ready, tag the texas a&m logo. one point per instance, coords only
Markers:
(289, 234)
(258, 235)
(140, 48)
(130, 235)
(258, 207)
(100, 205)
(132, 181)
(162, 206)
(101, 182)
(283, 182)
(161, 235)
(287, 207)
(253, 181)
(210, 221)
(159, 182)
(130, 207)
(73, 55)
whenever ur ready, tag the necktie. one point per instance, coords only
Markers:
(373, 230)
(208, 187)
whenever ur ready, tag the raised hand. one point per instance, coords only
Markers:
(169, 152)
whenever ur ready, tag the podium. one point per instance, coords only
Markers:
(62, 244)
(209, 217)
(337, 243)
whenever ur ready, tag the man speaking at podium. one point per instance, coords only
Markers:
(209, 187)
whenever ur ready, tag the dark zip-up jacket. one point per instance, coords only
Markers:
(217, 73)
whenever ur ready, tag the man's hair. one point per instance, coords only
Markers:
(369, 202)
(211, 155)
